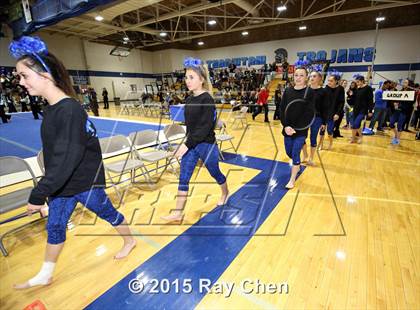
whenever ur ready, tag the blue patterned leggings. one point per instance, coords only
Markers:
(209, 154)
(61, 208)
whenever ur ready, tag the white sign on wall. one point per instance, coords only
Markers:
(398, 95)
(27, 11)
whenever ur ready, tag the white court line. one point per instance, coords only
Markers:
(126, 120)
(102, 118)
(359, 197)
(25, 147)
(106, 131)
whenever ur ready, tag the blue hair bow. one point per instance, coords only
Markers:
(355, 76)
(317, 67)
(191, 62)
(301, 63)
(29, 46)
(336, 73)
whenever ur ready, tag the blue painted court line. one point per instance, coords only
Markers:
(207, 248)
(22, 136)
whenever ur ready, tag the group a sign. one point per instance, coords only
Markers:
(398, 95)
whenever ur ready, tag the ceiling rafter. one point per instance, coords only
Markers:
(188, 21)
(309, 17)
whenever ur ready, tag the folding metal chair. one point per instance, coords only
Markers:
(223, 136)
(16, 199)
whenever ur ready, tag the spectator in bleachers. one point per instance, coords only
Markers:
(35, 104)
(4, 117)
(23, 99)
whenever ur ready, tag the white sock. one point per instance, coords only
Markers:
(43, 275)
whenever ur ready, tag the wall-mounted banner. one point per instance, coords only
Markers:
(398, 95)
(343, 55)
(239, 61)
(80, 80)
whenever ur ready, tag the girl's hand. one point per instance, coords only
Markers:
(289, 130)
(43, 209)
(182, 149)
(323, 127)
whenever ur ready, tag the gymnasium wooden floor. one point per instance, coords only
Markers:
(363, 253)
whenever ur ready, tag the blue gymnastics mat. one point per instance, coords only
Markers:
(22, 136)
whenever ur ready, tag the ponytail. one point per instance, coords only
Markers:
(207, 83)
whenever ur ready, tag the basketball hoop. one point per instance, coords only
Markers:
(120, 51)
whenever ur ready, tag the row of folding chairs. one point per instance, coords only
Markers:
(144, 150)
(141, 151)
(148, 108)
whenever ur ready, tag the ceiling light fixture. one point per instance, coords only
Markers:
(163, 34)
(212, 22)
(245, 33)
(281, 8)
(302, 27)
(99, 18)
(200, 43)
(380, 19)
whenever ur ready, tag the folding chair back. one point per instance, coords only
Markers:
(173, 131)
(17, 198)
(40, 160)
(114, 144)
(144, 138)
(12, 164)
(220, 125)
(244, 110)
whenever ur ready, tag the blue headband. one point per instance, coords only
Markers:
(31, 46)
(301, 64)
(191, 62)
(336, 73)
(317, 67)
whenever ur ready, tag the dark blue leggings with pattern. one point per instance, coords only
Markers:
(209, 154)
(61, 208)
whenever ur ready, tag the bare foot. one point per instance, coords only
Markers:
(329, 147)
(177, 217)
(126, 249)
(352, 140)
(26, 285)
(290, 185)
(223, 200)
(305, 160)
(359, 141)
(310, 163)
